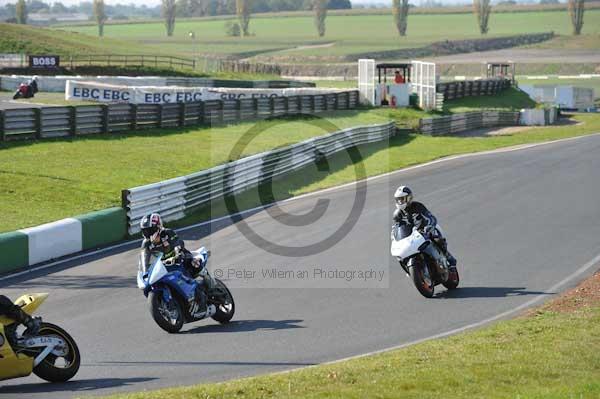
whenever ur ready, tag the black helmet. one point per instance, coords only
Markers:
(151, 226)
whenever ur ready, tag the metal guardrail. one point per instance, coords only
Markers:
(467, 121)
(174, 197)
(46, 122)
(129, 60)
(468, 88)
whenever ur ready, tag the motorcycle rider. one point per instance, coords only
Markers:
(32, 87)
(417, 216)
(9, 309)
(157, 238)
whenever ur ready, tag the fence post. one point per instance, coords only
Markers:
(134, 116)
(312, 104)
(286, 103)
(1, 125)
(104, 118)
(238, 110)
(37, 117)
(272, 106)
(160, 115)
(72, 121)
(201, 119)
(255, 107)
(182, 112)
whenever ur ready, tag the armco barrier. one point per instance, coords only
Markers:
(46, 122)
(173, 198)
(64, 237)
(471, 88)
(467, 121)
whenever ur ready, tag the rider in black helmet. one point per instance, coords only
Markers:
(157, 238)
(416, 215)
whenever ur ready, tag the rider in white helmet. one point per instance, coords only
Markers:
(416, 215)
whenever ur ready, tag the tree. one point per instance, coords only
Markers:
(576, 8)
(100, 16)
(21, 12)
(183, 9)
(339, 5)
(320, 8)
(169, 8)
(242, 8)
(400, 10)
(482, 9)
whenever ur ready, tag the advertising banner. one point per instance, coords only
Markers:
(100, 92)
(44, 61)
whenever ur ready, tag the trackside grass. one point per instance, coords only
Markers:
(550, 354)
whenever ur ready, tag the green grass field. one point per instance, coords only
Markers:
(550, 354)
(345, 34)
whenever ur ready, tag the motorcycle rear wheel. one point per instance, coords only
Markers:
(159, 309)
(422, 279)
(49, 369)
(225, 311)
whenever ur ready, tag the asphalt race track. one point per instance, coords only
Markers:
(6, 102)
(520, 223)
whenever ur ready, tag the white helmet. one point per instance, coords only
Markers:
(403, 197)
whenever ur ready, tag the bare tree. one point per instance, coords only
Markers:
(400, 11)
(99, 16)
(169, 9)
(482, 9)
(242, 8)
(21, 12)
(576, 8)
(320, 8)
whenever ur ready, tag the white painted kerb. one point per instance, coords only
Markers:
(53, 240)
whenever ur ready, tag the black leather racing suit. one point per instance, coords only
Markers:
(170, 245)
(416, 215)
(9, 309)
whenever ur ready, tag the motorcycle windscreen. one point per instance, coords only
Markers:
(407, 246)
(158, 269)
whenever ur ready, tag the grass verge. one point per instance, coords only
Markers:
(552, 353)
(511, 100)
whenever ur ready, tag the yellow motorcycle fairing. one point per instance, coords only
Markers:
(14, 365)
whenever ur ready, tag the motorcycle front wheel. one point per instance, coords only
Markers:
(453, 280)
(226, 306)
(421, 277)
(168, 316)
(63, 367)
(17, 95)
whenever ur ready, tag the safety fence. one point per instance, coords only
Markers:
(469, 88)
(47, 122)
(174, 198)
(157, 61)
(467, 121)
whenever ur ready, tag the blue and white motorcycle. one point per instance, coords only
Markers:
(174, 297)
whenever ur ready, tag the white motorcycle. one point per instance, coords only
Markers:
(422, 260)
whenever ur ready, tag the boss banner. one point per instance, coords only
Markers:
(100, 92)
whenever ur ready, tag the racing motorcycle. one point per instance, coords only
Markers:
(51, 354)
(173, 296)
(24, 91)
(422, 260)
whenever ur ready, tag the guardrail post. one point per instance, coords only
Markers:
(37, 117)
(312, 104)
(201, 118)
(238, 110)
(1, 125)
(133, 109)
(72, 121)
(160, 115)
(104, 118)
(255, 107)
(182, 112)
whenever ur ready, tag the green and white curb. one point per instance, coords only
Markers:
(49, 241)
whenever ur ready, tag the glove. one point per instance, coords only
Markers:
(429, 230)
(33, 325)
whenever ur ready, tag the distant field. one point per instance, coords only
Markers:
(593, 83)
(293, 37)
